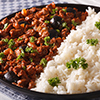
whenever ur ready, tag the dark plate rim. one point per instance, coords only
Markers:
(36, 94)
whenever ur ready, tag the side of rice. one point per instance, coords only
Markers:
(80, 80)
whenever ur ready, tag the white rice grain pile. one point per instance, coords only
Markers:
(80, 80)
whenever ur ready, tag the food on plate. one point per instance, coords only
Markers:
(76, 67)
(30, 39)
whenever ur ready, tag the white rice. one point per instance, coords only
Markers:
(80, 80)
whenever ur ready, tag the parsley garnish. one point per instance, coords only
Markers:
(24, 67)
(32, 39)
(43, 62)
(5, 40)
(20, 39)
(46, 40)
(54, 11)
(34, 50)
(1, 61)
(2, 55)
(11, 43)
(58, 30)
(93, 42)
(5, 26)
(22, 54)
(51, 17)
(64, 24)
(30, 49)
(54, 81)
(64, 10)
(97, 24)
(74, 23)
(46, 21)
(76, 63)
(19, 57)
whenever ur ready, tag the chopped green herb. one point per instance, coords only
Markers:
(74, 23)
(22, 54)
(34, 50)
(11, 43)
(46, 40)
(51, 17)
(43, 62)
(5, 40)
(28, 49)
(46, 21)
(64, 10)
(54, 81)
(93, 42)
(31, 59)
(2, 55)
(97, 24)
(20, 39)
(64, 24)
(5, 26)
(58, 30)
(32, 39)
(24, 67)
(68, 65)
(1, 61)
(84, 66)
(19, 57)
(54, 11)
(76, 63)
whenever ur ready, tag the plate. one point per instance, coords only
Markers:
(47, 96)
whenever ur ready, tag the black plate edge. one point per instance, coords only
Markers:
(36, 94)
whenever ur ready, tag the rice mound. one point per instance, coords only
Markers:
(75, 46)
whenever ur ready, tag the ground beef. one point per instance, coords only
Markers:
(30, 39)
